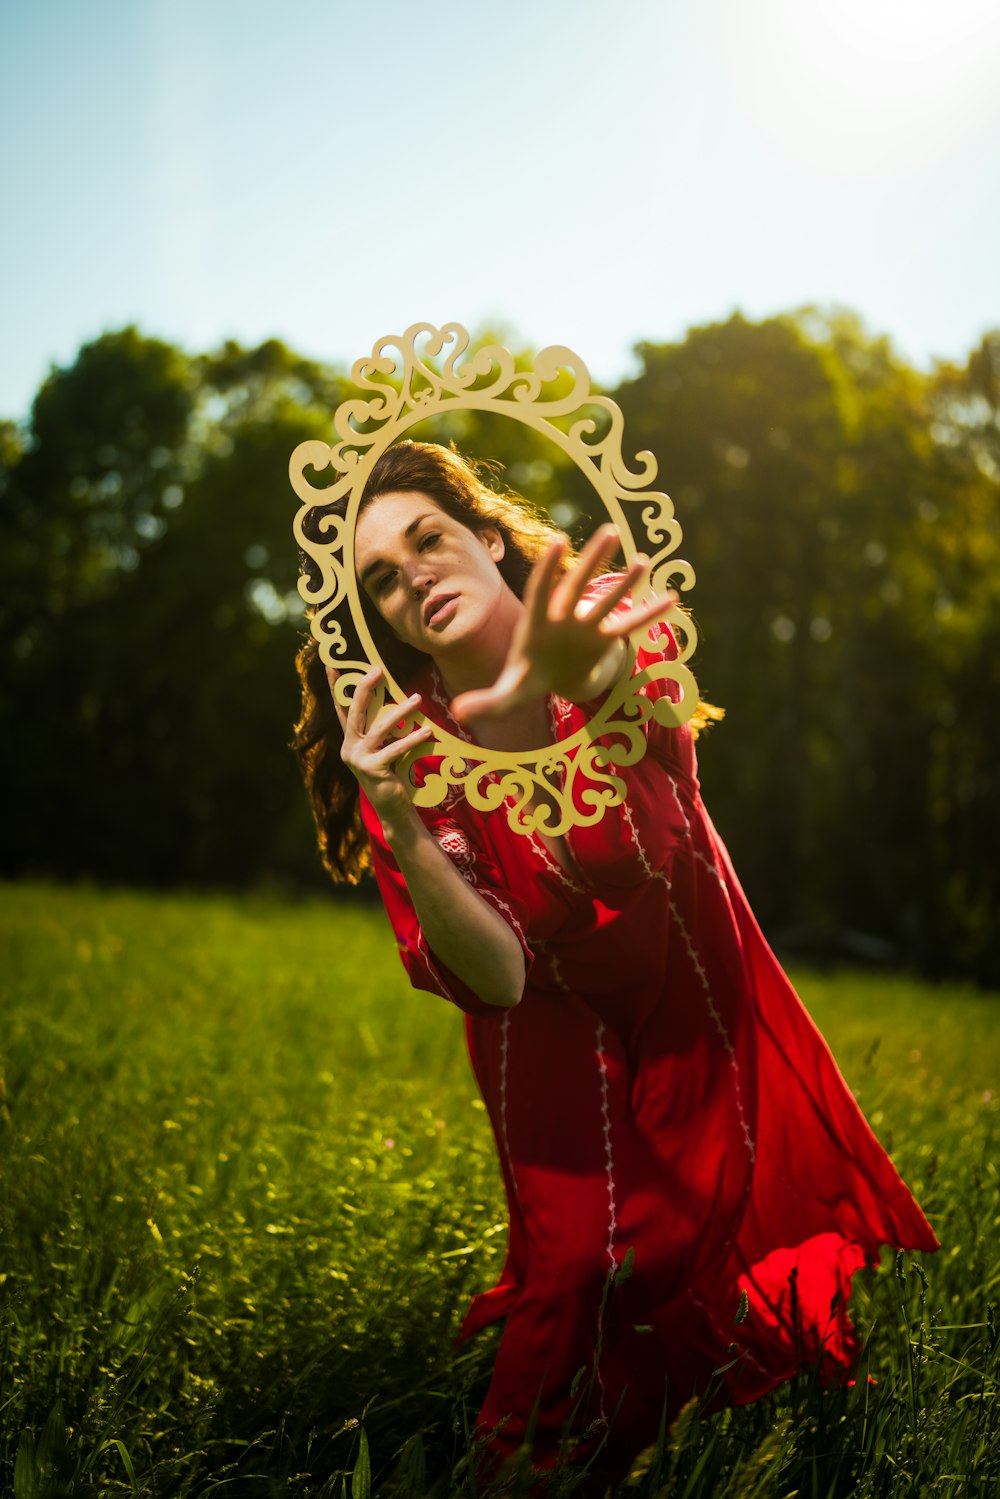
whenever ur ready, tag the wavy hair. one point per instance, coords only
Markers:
(459, 487)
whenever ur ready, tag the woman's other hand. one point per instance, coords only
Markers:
(564, 644)
(373, 742)
(460, 928)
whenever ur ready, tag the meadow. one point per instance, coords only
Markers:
(249, 1187)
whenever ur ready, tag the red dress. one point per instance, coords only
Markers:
(659, 1093)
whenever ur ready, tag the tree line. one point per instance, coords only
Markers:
(842, 513)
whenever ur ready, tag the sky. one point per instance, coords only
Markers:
(592, 173)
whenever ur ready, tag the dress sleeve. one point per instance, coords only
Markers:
(664, 648)
(424, 968)
(673, 746)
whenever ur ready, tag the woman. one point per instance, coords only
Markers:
(675, 1137)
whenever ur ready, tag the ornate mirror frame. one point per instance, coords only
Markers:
(402, 385)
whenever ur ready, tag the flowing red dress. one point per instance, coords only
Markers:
(658, 1093)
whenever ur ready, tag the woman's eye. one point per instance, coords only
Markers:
(384, 582)
(429, 539)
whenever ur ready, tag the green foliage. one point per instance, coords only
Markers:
(847, 556)
(249, 1187)
(842, 513)
(153, 613)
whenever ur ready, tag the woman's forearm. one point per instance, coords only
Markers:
(463, 931)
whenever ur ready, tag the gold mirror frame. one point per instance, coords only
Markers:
(402, 388)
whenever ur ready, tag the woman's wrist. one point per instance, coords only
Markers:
(602, 676)
(401, 824)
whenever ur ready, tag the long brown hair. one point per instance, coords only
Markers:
(459, 487)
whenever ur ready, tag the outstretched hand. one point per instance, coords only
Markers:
(562, 643)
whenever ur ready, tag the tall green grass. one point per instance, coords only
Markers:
(248, 1188)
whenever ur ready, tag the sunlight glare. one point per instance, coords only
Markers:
(863, 87)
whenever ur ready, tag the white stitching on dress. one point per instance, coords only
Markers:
(437, 693)
(497, 900)
(609, 1159)
(552, 863)
(609, 1168)
(717, 1020)
(504, 1065)
(711, 866)
(702, 976)
(425, 953)
(654, 874)
(680, 805)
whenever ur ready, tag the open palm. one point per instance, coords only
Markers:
(562, 639)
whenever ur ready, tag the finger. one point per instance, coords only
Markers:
(357, 713)
(602, 545)
(613, 595)
(396, 747)
(333, 676)
(541, 581)
(390, 720)
(655, 609)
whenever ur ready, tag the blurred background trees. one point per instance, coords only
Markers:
(842, 512)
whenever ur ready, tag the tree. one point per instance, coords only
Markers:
(830, 526)
(150, 512)
(842, 512)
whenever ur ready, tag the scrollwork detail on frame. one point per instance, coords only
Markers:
(401, 385)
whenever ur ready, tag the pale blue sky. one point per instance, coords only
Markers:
(582, 173)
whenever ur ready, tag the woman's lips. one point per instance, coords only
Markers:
(442, 613)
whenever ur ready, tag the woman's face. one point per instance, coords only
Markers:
(434, 582)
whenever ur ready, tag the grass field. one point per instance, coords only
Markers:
(248, 1187)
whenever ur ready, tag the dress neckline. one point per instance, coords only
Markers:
(566, 870)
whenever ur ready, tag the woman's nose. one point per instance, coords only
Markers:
(422, 578)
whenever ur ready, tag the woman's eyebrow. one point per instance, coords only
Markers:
(378, 562)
